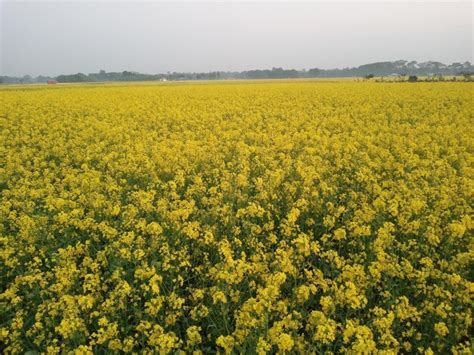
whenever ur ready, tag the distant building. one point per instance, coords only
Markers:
(51, 82)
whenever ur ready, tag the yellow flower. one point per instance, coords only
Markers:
(302, 293)
(458, 229)
(285, 342)
(263, 347)
(441, 329)
(324, 328)
(326, 303)
(83, 350)
(219, 296)
(340, 234)
(134, 217)
(193, 335)
(226, 342)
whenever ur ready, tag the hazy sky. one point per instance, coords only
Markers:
(51, 38)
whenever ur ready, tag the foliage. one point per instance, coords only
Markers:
(399, 67)
(73, 78)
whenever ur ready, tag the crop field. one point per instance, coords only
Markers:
(237, 217)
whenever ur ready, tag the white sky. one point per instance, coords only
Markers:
(51, 38)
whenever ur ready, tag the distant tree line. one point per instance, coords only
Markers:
(396, 68)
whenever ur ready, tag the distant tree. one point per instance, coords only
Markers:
(314, 72)
(467, 76)
(102, 75)
(412, 79)
(400, 68)
(74, 78)
(42, 79)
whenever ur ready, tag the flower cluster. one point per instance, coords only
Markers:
(264, 217)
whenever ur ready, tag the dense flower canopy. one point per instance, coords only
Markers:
(237, 217)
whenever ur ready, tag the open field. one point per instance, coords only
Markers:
(292, 216)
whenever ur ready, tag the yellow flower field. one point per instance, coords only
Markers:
(240, 217)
